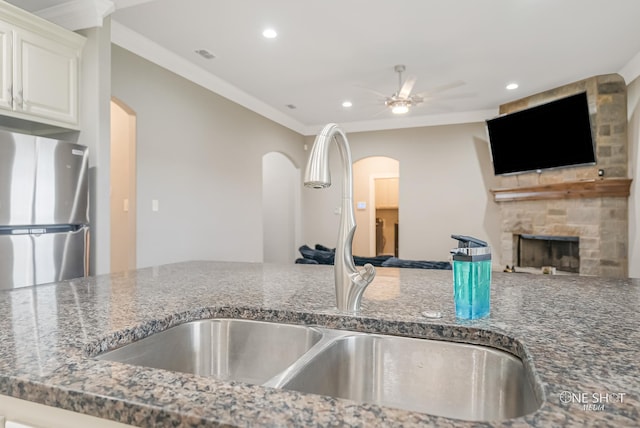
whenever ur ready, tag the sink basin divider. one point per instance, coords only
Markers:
(328, 338)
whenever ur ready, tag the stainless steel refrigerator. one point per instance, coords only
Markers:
(44, 224)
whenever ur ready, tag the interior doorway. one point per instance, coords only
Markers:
(376, 193)
(123, 187)
(387, 217)
(281, 192)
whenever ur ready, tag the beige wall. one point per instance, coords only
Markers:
(281, 184)
(200, 156)
(445, 177)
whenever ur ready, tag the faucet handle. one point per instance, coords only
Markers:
(367, 274)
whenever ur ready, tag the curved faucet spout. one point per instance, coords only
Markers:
(350, 282)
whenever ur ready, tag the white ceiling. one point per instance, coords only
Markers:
(334, 50)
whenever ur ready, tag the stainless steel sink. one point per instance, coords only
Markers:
(455, 380)
(441, 378)
(230, 349)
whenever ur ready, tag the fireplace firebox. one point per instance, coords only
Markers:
(561, 252)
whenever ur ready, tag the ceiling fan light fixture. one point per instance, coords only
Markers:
(400, 108)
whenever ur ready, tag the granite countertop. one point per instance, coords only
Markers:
(580, 334)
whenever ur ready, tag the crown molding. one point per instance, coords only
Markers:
(26, 20)
(411, 122)
(78, 14)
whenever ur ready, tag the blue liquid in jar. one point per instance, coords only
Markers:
(472, 288)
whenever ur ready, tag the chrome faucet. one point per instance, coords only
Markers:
(350, 283)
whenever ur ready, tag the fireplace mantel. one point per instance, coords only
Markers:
(599, 188)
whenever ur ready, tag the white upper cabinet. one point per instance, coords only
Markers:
(40, 67)
(46, 76)
(386, 190)
(6, 76)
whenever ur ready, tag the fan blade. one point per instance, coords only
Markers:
(381, 112)
(455, 96)
(442, 88)
(405, 91)
(380, 94)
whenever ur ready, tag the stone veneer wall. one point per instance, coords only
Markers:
(600, 223)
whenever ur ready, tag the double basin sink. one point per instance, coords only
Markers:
(455, 380)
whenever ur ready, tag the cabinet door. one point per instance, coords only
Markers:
(386, 190)
(46, 78)
(6, 67)
(22, 413)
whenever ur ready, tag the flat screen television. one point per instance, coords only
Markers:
(552, 135)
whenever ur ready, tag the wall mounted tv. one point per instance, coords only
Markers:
(552, 135)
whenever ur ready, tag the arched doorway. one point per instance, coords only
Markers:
(281, 186)
(377, 206)
(123, 187)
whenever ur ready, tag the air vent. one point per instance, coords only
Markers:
(205, 54)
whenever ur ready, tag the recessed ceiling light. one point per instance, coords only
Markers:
(512, 86)
(347, 104)
(270, 33)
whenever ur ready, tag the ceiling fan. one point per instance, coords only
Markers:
(402, 100)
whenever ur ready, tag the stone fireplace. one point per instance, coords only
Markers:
(587, 204)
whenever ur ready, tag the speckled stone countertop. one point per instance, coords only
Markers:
(581, 335)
